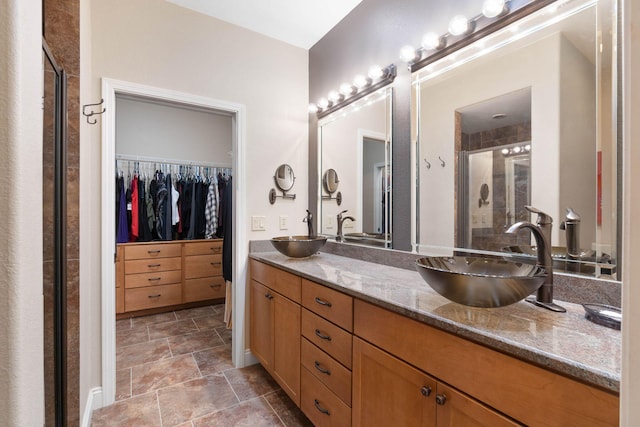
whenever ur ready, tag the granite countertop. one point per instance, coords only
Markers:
(566, 343)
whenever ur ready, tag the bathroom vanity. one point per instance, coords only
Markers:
(358, 343)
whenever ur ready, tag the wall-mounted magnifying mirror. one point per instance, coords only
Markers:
(525, 117)
(356, 140)
(330, 185)
(284, 180)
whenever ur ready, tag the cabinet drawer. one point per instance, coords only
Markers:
(152, 279)
(152, 297)
(152, 265)
(119, 267)
(280, 281)
(328, 337)
(120, 300)
(329, 372)
(320, 405)
(203, 289)
(328, 303)
(157, 250)
(202, 266)
(208, 247)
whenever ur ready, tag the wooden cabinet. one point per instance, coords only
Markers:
(165, 275)
(275, 325)
(387, 391)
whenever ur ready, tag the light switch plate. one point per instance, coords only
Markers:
(258, 223)
(284, 222)
(328, 223)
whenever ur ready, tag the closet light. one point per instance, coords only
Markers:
(494, 8)
(432, 41)
(459, 25)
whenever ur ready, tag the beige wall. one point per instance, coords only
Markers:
(155, 43)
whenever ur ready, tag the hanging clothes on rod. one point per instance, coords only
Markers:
(162, 200)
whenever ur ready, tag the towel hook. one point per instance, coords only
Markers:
(93, 113)
(428, 164)
(442, 163)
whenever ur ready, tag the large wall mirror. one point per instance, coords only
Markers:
(525, 116)
(355, 143)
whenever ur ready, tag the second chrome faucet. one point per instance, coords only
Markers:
(340, 220)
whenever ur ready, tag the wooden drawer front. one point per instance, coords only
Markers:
(332, 374)
(119, 267)
(152, 279)
(285, 283)
(513, 388)
(328, 303)
(120, 300)
(320, 405)
(202, 266)
(208, 247)
(203, 289)
(158, 250)
(152, 297)
(328, 337)
(152, 265)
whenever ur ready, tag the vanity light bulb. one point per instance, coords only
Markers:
(494, 8)
(505, 151)
(334, 96)
(323, 103)
(517, 149)
(459, 25)
(346, 89)
(527, 147)
(361, 81)
(431, 41)
(375, 72)
(408, 54)
(313, 108)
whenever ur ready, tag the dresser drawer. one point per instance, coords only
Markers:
(204, 289)
(156, 250)
(120, 300)
(208, 247)
(328, 337)
(119, 267)
(202, 266)
(320, 405)
(329, 372)
(152, 279)
(152, 297)
(328, 303)
(152, 265)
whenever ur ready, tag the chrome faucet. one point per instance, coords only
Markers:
(542, 233)
(571, 225)
(340, 221)
(309, 220)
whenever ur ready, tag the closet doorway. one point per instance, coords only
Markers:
(116, 93)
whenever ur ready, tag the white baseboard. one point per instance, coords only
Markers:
(94, 401)
(249, 358)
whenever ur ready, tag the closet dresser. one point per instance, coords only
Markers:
(153, 277)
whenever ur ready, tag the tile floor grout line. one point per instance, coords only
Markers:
(197, 366)
(272, 408)
(159, 410)
(230, 385)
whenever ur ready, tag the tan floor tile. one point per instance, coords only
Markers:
(253, 413)
(169, 329)
(194, 399)
(190, 313)
(163, 373)
(153, 319)
(196, 341)
(138, 354)
(132, 336)
(209, 322)
(250, 382)
(218, 308)
(123, 384)
(225, 334)
(123, 325)
(214, 360)
(139, 411)
(288, 412)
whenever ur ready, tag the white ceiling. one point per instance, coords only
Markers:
(297, 22)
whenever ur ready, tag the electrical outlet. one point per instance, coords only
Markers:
(258, 223)
(284, 222)
(328, 223)
(347, 224)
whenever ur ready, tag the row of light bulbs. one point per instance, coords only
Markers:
(458, 26)
(347, 90)
(514, 151)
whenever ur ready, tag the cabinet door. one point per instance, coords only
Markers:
(388, 392)
(286, 345)
(261, 338)
(456, 409)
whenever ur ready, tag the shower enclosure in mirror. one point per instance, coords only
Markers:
(355, 142)
(524, 116)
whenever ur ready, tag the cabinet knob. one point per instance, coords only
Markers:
(322, 336)
(321, 369)
(320, 408)
(426, 391)
(441, 399)
(268, 295)
(322, 302)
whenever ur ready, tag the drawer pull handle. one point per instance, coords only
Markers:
(216, 264)
(215, 286)
(322, 336)
(321, 369)
(321, 302)
(215, 250)
(153, 265)
(151, 279)
(426, 391)
(320, 408)
(157, 251)
(268, 296)
(441, 399)
(155, 296)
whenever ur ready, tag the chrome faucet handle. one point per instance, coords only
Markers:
(543, 218)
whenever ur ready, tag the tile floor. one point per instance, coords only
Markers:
(175, 369)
